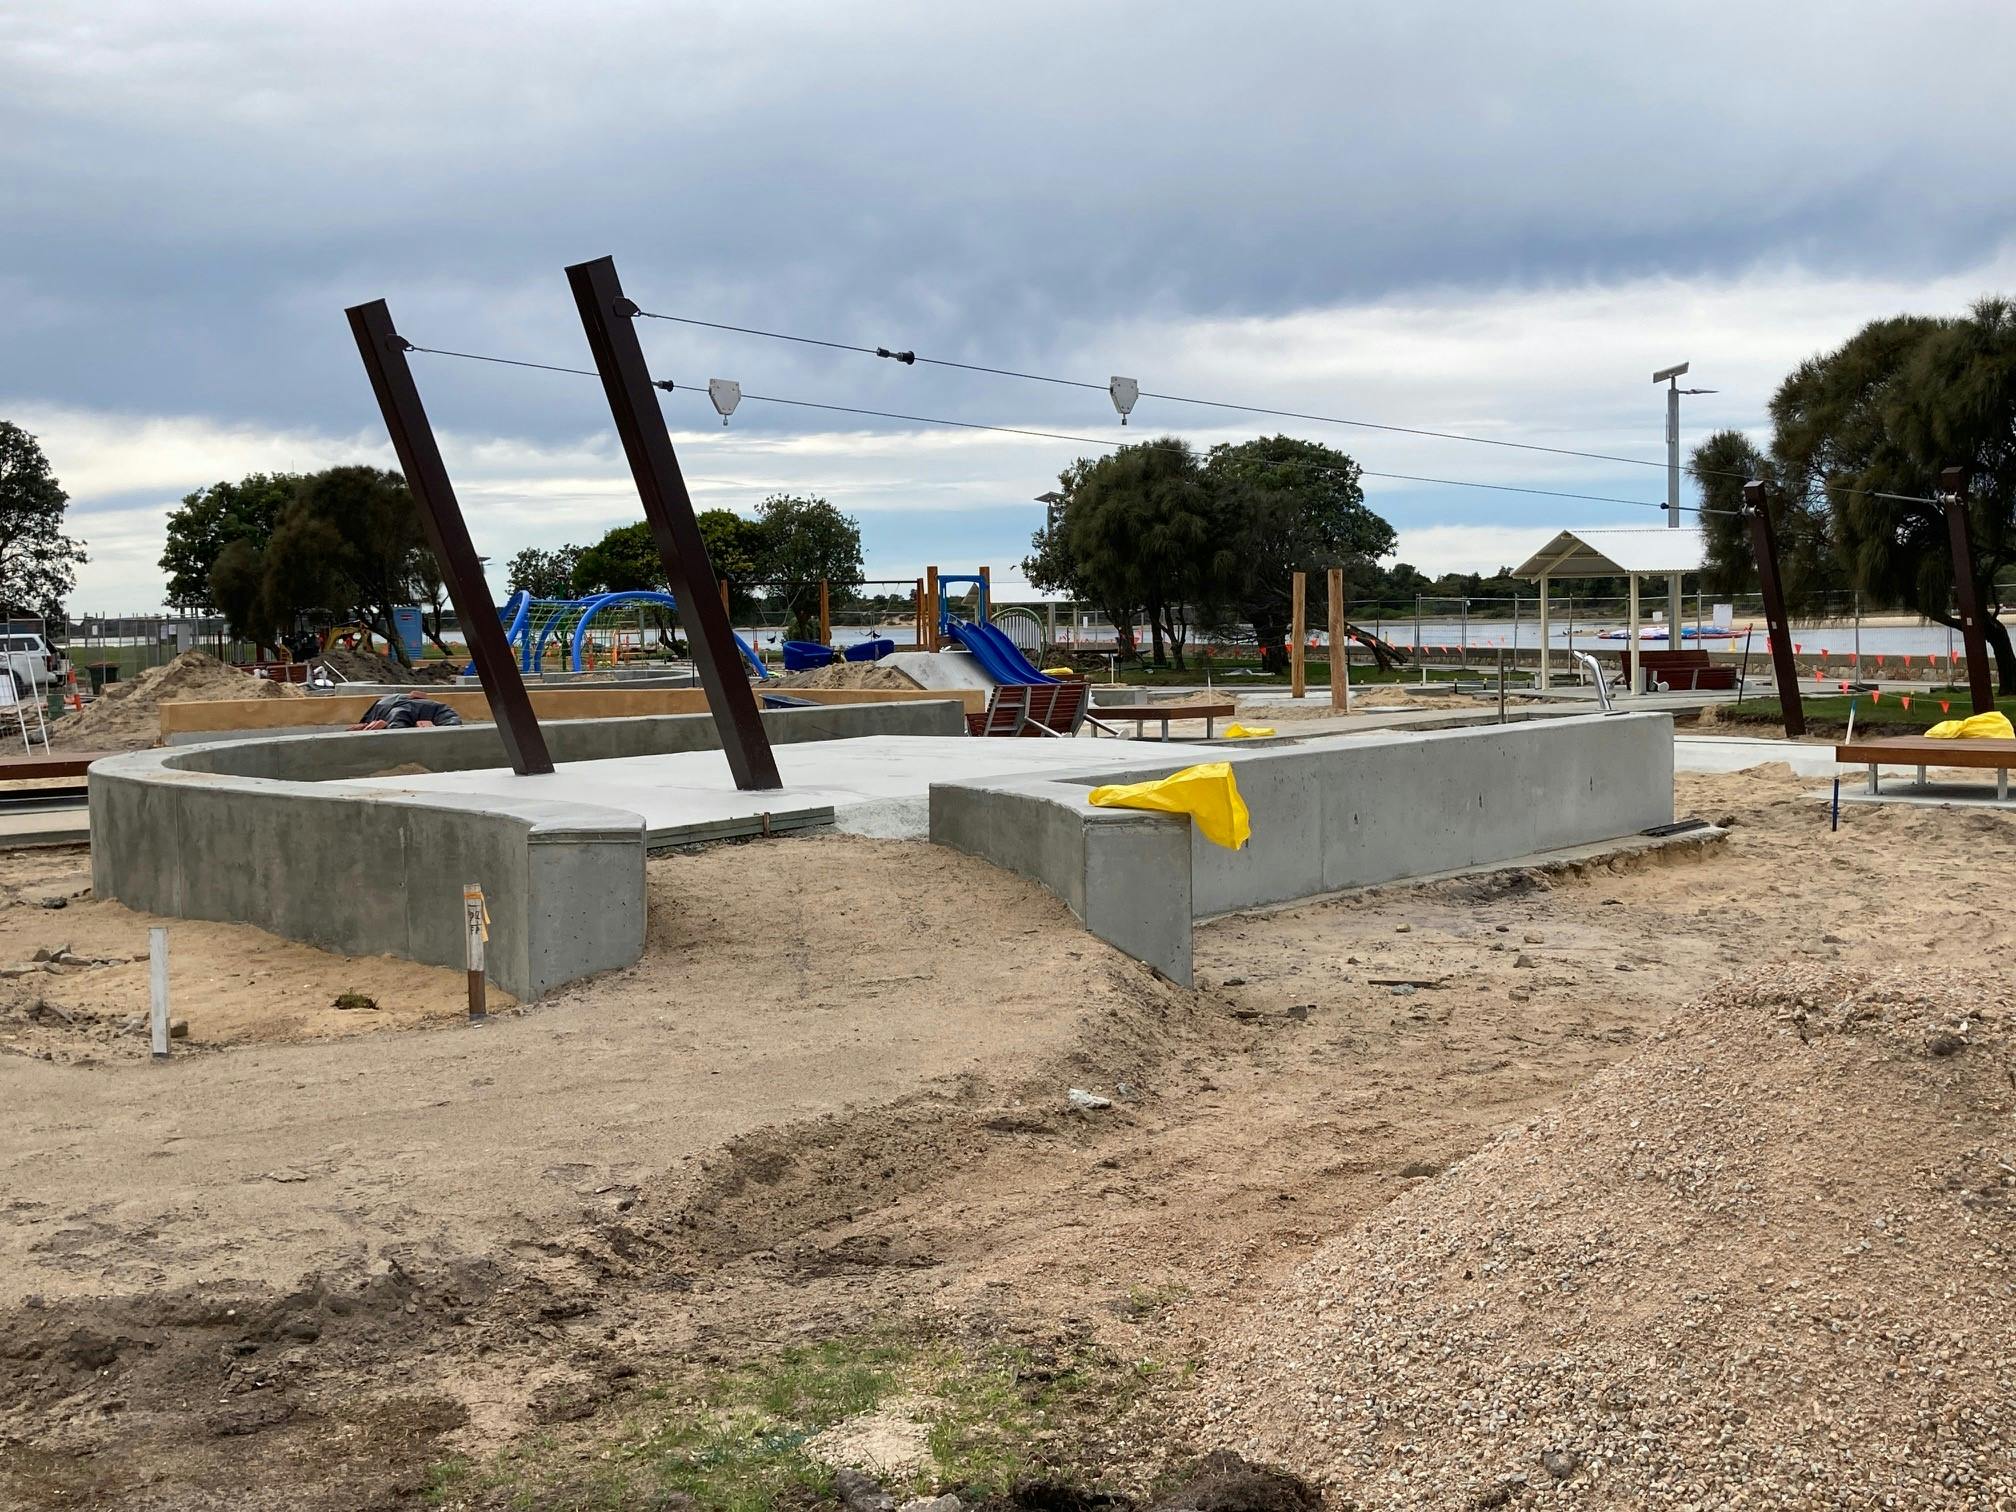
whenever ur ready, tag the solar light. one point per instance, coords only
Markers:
(726, 394)
(1124, 391)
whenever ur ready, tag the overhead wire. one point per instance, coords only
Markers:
(913, 358)
(1102, 441)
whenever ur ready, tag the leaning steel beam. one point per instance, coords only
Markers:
(1966, 589)
(1764, 542)
(610, 322)
(384, 352)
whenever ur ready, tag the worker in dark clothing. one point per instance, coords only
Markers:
(402, 711)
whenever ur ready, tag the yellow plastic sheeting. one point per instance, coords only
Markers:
(1989, 726)
(1208, 793)
(1247, 732)
(1058, 671)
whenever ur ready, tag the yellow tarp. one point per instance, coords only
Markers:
(1059, 671)
(1989, 726)
(1207, 793)
(1247, 732)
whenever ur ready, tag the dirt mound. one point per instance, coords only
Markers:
(1769, 1260)
(847, 675)
(127, 716)
(369, 667)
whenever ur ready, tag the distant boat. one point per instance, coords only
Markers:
(1658, 633)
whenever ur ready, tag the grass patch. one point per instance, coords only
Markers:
(734, 1439)
(1828, 713)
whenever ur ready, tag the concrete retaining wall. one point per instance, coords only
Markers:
(1327, 816)
(248, 832)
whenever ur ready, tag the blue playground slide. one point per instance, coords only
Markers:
(995, 653)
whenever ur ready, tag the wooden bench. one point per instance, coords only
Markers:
(1056, 709)
(1996, 756)
(1144, 714)
(1006, 712)
(1682, 671)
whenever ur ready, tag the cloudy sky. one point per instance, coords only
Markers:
(1489, 219)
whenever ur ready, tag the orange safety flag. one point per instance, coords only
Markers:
(1905, 699)
(1844, 687)
(1876, 697)
(1945, 707)
(1795, 648)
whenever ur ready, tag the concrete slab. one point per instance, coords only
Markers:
(64, 826)
(1729, 753)
(875, 785)
(1923, 795)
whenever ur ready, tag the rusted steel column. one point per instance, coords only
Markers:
(609, 320)
(384, 354)
(1959, 531)
(1764, 542)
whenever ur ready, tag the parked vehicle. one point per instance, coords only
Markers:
(31, 660)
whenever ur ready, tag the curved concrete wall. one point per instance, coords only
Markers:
(1328, 815)
(250, 832)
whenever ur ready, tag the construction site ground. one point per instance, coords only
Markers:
(813, 1164)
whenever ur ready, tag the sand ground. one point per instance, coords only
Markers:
(294, 1270)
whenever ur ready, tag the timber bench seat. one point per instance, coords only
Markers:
(1920, 751)
(1682, 671)
(1145, 714)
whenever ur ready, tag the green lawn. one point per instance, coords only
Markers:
(1828, 714)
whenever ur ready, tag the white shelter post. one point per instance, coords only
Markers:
(1636, 680)
(1544, 642)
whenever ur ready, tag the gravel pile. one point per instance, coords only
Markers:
(1768, 1261)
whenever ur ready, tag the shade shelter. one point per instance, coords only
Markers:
(1631, 552)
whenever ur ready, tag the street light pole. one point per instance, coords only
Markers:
(1671, 378)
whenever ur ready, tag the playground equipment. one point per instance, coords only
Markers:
(996, 653)
(531, 623)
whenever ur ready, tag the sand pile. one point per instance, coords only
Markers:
(369, 667)
(1768, 1261)
(847, 675)
(126, 716)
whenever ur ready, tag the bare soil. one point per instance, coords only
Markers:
(127, 715)
(832, 1098)
(846, 675)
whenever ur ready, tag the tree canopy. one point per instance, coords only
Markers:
(544, 574)
(38, 562)
(1884, 414)
(209, 520)
(1155, 533)
(346, 544)
(1296, 506)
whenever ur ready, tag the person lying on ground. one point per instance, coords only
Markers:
(402, 711)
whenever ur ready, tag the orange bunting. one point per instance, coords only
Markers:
(1795, 648)
(1905, 700)
(1945, 706)
(1844, 687)
(1876, 697)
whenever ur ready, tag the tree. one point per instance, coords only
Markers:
(798, 542)
(1883, 414)
(733, 544)
(209, 520)
(544, 574)
(623, 561)
(38, 563)
(347, 544)
(1143, 526)
(1296, 506)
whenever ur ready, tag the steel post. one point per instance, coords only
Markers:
(1764, 543)
(609, 320)
(384, 354)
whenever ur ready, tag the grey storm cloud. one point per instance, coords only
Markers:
(190, 193)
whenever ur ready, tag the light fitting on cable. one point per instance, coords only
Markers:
(1124, 391)
(726, 394)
